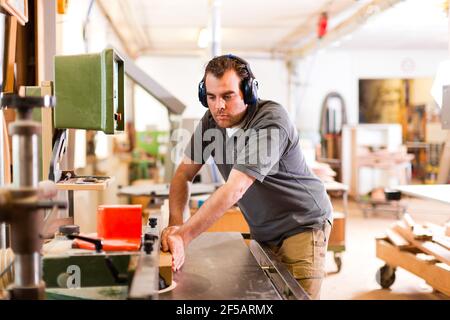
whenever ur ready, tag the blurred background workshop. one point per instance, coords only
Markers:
(98, 97)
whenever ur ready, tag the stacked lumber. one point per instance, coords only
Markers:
(429, 240)
(383, 158)
(323, 171)
(422, 249)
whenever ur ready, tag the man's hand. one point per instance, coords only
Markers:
(172, 241)
(164, 235)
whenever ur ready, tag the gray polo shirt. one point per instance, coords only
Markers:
(286, 197)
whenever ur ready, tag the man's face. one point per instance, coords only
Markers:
(225, 99)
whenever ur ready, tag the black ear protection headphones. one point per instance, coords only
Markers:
(249, 85)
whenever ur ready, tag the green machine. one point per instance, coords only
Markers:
(89, 90)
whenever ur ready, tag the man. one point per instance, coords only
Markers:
(255, 147)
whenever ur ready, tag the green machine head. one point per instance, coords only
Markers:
(89, 90)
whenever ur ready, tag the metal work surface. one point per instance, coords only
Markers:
(219, 266)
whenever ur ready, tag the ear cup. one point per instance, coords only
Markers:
(250, 90)
(202, 94)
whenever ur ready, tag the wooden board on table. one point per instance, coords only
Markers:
(165, 267)
(429, 247)
(72, 185)
(419, 232)
(396, 239)
(442, 241)
(439, 235)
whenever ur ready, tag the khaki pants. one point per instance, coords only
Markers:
(304, 256)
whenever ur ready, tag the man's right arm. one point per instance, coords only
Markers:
(180, 190)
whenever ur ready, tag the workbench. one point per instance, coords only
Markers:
(437, 192)
(218, 266)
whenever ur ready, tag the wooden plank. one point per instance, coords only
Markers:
(435, 228)
(408, 220)
(442, 241)
(437, 250)
(443, 266)
(18, 9)
(436, 276)
(421, 233)
(426, 258)
(165, 267)
(429, 247)
(396, 239)
(6, 170)
(83, 187)
(9, 54)
(439, 235)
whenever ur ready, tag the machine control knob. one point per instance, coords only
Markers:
(150, 237)
(152, 222)
(69, 229)
(148, 246)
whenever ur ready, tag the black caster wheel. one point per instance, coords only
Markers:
(385, 276)
(338, 261)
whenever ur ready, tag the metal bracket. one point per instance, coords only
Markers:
(283, 281)
(145, 281)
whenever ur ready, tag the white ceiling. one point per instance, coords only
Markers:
(173, 26)
(411, 24)
(263, 26)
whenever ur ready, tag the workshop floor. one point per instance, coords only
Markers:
(356, 280)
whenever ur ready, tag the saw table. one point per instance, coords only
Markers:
(218, 266)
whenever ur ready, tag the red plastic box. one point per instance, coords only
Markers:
(119, 221)
(118, 226)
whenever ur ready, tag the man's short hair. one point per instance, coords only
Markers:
(221, 64)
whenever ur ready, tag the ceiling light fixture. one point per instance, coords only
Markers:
(203, 38)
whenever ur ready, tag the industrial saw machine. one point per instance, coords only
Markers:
(110, 264)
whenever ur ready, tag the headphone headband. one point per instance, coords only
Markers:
(242, 61)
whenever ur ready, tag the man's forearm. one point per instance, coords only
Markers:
(178, 199)
(209, 212)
